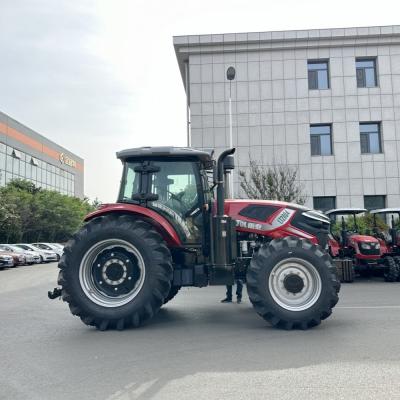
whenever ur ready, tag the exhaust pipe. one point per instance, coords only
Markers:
(220, 180)
(222, 273)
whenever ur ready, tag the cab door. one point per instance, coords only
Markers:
(178, 187)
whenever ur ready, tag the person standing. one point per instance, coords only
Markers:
(239, 289)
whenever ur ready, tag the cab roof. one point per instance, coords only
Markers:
(346, 211)
(393, 210)
(165, 151)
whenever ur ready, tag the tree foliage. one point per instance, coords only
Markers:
(30, 214)
(272, 183)
(365, 224)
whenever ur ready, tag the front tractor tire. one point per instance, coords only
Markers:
(391, 272)
(292, 283)
(397, 261)
(116, 272)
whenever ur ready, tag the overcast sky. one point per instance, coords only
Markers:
(97, 76)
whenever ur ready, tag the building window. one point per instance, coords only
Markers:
(370, 137)
(374, 202)
(366, 72)
(321, 140)
(16, 154)
(324, 203)
(318, 75)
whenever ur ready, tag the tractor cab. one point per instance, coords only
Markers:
(391, 237)
(175, 183)
(351, 242)
(171, 181)
(345, 232)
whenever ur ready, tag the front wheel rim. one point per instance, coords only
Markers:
(112, 273)
(295, 284)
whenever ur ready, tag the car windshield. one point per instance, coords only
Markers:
(6, 248)
(23, 246)
(42, 246)
(16, 249)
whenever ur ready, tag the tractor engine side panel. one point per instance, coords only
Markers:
(276, 222)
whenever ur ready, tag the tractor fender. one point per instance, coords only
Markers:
(164, 228)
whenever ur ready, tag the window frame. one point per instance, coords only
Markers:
(379, 124)
(328, 80)
(383, 196)
(374, 60)
(324, 197)
(319, 135)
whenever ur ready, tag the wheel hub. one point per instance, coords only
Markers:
(112, 273)
(293, 283)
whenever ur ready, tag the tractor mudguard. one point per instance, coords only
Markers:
(164, 228)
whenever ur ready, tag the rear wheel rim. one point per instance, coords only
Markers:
(112, 273)
(295, 284)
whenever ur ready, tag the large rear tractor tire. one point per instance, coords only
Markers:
(391, 272)
(172, 293)
(116, 272)
(292, 283)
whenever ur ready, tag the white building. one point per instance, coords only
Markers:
(326, 102)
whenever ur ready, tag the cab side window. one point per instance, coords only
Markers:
(177, 188)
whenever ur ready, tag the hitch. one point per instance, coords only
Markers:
(54, 294)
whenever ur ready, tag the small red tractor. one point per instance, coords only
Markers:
(167, 231)
(368, 254)
(391, 239)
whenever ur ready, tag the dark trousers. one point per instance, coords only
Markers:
(239, 288)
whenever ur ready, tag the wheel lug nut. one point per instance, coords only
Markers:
(101, 282)
(129, 278)
(116, 289)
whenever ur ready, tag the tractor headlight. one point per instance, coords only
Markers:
(365, 246)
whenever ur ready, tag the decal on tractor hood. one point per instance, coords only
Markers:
(279, 220)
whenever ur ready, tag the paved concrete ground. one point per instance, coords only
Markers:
(196, 348)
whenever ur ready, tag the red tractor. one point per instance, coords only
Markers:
(390, 239)
(166, 231)
(367, 253)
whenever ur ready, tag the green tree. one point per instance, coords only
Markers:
(272, 183)
(28, 213)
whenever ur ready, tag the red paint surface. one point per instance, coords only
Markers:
(233, 208)
(159, 222)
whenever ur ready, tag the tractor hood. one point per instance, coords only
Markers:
(363, 238)
(265, 208)
(230, 202)
(278, 219)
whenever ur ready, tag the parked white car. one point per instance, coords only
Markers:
(28, 257)
(45, 256)
(59, 245)
(6, 259)
(49, 247)
(28, 254)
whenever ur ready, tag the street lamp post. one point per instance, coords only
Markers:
(230, 75)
